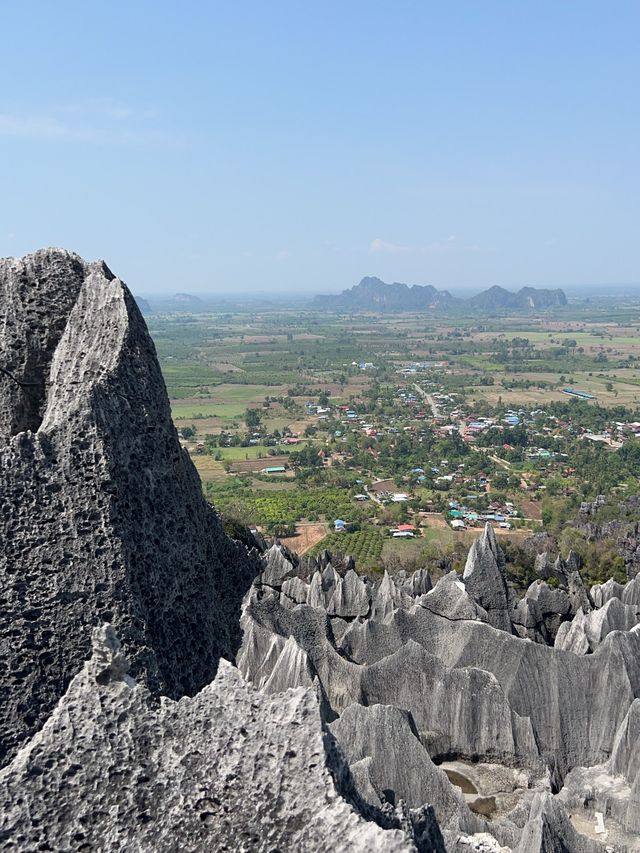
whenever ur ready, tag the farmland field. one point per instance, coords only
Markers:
(240, 381)
(225, 401)
(365, 546)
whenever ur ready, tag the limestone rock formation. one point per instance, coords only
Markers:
(423, 679)
(540, 614)
(229, 769)
(103, 517)
(387, 715)
(623, 530)
(549, 830)
(601, 593)
(279, 567)
(350, 598)
(450, 599)
(486, 580)
(417, 583)
(398, 766)
(612, 788)
(587, 630)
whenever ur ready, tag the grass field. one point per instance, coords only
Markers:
(209, 470)
(625, 391)
(226, 401)
(234, 454)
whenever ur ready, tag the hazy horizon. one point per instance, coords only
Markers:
(282, 148)
(604, 290)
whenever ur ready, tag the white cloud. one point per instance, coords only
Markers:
(40, 127)
(282, 255)
(447, 245)
(378, 245)
(100, 121)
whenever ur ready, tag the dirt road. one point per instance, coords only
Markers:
(435, 411)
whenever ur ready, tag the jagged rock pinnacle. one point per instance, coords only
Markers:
(103, 515)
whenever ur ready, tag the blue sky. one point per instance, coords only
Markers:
(256, 147)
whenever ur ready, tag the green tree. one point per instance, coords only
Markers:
(252, 418)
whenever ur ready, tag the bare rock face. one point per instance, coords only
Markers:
(102, 515)
(612, 788)
(542, 613)
(549, 830)
(397, 764)
(486, 580)
(229, 769)
(449, 598)
(427, 678)
(587, 630)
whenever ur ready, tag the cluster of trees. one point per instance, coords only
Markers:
(364, 545)
(599, 558)
(279, 511)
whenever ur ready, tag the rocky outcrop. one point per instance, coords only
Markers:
(279, 566)
(622, 532)
(383, 742)
(485, 580)
(350, 598)
(539, 615)
(549, 830)
(494, 699)
(417, 583)
(587, 630)
(628, 593)
(103, 517)
(229, 769)
(609, 794)
(360, 687)
(450, 599)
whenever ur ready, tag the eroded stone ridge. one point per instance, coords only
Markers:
(465, 675)
(229, 769)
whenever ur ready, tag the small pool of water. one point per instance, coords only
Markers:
(465, 785)
(483, 806)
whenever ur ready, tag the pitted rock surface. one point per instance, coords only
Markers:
(102, 516)
(485, 578)
(229, 769)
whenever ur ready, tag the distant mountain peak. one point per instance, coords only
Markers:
(373, 294)
(187, 297)
(497, 298)
(143, 304)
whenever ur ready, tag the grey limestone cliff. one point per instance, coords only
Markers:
(486, 580)
(428, 678)
(228, 769)
(102, 515)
